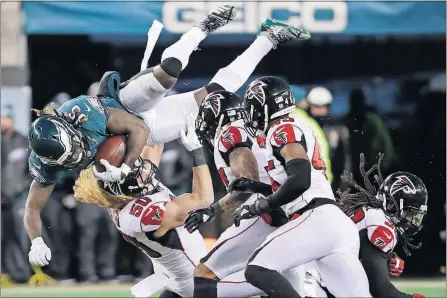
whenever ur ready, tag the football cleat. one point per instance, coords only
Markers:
(217, 18)
(278, 32)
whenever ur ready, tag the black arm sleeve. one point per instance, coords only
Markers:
(297, 182)
(375, 263)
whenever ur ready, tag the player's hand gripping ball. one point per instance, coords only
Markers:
(109, 166)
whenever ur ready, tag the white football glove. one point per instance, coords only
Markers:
(189, 139)
(40, 253)
(112, 173)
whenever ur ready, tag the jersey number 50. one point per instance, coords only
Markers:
(137, 210)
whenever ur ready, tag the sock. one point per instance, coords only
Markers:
(205, 288)
(236, 74)
(169, 294)
(184, 47)
(270, 281)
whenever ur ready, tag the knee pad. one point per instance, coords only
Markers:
(172, 66)
(212, 87)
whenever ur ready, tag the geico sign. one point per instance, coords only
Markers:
(180, 16)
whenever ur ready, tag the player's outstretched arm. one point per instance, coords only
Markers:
(38, 196)
(202, 187)
(122, 122)
(243, 164)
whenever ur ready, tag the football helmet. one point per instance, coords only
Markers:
(58, 143)
(216, 110)
(266, 99)
(404, 199)
(143, 179)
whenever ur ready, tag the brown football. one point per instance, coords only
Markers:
(113, 149)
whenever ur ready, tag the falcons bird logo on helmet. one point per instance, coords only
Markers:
(213, 102)
(256, 90)
(403, 183)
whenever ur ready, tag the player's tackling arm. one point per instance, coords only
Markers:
(122, 122)
(202, 193)
(38, 196)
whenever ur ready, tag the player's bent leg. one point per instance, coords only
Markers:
(341, 271)
(234, 247)
(145, 91)
(343, 274)
(279, 253)
(168, 118)
(142, 93)
(235, 285)
(229, 255)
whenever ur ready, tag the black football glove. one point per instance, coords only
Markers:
(247, 185)
(259, 208)
(198, 218)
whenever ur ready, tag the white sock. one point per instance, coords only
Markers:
(184, 47)
(236, 74)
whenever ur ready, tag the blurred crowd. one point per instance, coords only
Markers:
(87, 248)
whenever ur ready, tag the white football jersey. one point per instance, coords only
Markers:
(177, 252)
(231, 137)
(381, 231)
(291, 130)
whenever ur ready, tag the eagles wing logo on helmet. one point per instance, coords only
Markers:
(213, 102)
(256, 90)
(403, 183)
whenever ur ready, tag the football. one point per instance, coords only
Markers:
(113, 149)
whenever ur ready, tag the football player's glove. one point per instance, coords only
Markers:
(416, 295)
(395, 265)
(112, 173)
(247, 185)
(198, 218)
(189, 138)
(40, 253)
(259, 208)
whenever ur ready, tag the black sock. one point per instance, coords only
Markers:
(169, 294)
(270, 281)
(205, 287)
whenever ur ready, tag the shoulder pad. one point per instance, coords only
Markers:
(381, 232)
(233, 137)
(285, 133)
(109, 84)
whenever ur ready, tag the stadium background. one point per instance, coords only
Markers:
(394, 51)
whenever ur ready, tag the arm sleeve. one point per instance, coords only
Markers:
(297, 182)
(375, 263)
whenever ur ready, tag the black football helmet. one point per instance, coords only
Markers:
(266, 99)
(143, 179)
(404, 198)
(216, 110)
(58, 143)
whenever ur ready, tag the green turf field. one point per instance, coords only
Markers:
(429, 288)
